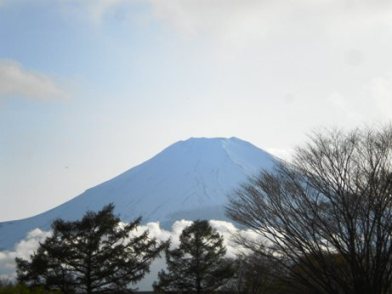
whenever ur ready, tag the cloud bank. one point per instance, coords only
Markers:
(17, 81)
(24, 249)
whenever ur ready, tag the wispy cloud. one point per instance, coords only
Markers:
(244, 19)
(97, 10)
(18, 81)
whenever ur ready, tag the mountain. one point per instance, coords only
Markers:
(188, 180)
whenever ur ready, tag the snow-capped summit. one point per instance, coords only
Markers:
(188, 180)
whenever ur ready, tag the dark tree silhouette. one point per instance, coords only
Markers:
(96, 254)
(198, 265)
(328, 215)
(254, 274)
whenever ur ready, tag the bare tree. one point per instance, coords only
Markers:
(254, 274)
(328, 214)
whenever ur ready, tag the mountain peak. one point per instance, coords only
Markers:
(188, 180)
(209, 140)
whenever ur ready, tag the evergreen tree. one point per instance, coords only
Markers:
(198, 265)
(93, 255)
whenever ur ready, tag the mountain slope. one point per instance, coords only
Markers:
(190, 179)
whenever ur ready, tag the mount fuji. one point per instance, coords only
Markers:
(190, 179)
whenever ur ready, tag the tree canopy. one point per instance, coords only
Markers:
(327, 215)
(97, 254)
(198, 265)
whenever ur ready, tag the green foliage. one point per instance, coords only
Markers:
(11, 288)
(93, 255)
(198, 264)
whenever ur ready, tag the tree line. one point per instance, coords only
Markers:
(99, 254)
(324, 220)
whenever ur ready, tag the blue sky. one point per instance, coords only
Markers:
(89, 88)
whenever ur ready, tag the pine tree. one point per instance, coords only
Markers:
(198, 265)
(93, 255)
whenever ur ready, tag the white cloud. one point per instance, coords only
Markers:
(380, 94)
(17, 81)
(371, 102)
(345, 108)
(98, 9)
(228, 231)
(24, 249)
(247, 20)
(323, 51)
